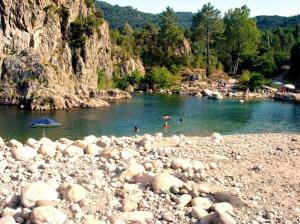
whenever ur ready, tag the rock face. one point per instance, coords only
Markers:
(126, 65)
(40, 67)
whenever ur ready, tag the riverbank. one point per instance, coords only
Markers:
(102, 180)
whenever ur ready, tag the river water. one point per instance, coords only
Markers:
(199, 117)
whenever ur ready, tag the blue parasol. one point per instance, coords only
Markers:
(43, 123)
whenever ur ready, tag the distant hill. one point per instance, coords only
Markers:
(117, 16)
(272, 22)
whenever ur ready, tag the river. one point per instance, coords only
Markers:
(199, 117)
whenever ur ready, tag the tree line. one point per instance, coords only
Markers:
(232, 43)
(117, 16)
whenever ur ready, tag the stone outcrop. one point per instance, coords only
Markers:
(40, 68)
(126, 65)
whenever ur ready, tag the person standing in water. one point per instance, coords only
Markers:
(136, 129)
(166, 125)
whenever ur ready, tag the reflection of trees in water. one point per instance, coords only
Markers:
(295, 115)
(226, 116)
(170, 103)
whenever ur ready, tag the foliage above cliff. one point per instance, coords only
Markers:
(82, 28)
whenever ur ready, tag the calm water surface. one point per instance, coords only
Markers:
(200, 117)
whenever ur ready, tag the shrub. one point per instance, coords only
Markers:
(77, 36)
(295, 65)
(160, 77)
(135, 77)
(89, 3)
(121, 82)
(257, 80)
(245, 77)
(81, 28)
(198, 61)
(103, 81)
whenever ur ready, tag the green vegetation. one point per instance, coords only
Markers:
(160, 77)
(103, 81)
(232, 44)
(258, 80)
(117, 16)
(122, 82)
(170, 38)
(245, 78)
(81, 28)
(295, 62)
(90, 3)
(253, 80)
(241, 37)
(207, 27)
(273, 22)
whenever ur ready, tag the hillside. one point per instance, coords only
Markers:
(117, 16)
(272, 22)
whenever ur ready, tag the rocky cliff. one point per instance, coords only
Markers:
(50, 52)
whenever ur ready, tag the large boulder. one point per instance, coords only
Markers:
(207, 92)
(47, 214)
(2, 144)
(127, 217)
(92, 149)
(14, 143)
(33, 192)
(73, 151)
(47, 150)
(75, 193)
(31, 142)
(7, 220)
(181, 164)
(164, 181)
(133, 170)
(198, 212)
(222, 206)
(201, 202)
(221, 217)
(183, 200)
(24, 153)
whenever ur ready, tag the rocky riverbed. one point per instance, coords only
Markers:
(152, 179)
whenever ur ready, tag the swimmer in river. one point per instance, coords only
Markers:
(166, 125)
(136, 129)
(166, 117)
(180, 120)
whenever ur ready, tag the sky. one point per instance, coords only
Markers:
(258, 7)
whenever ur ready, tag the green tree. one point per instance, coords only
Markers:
(265, 63)
(295, 65)
(241, 35)
(160, 77)
(146, 44)
(207, 26)
(257, 81)
(127, 30)
(170, 37)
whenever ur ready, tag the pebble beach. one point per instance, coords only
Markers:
(253, 178)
